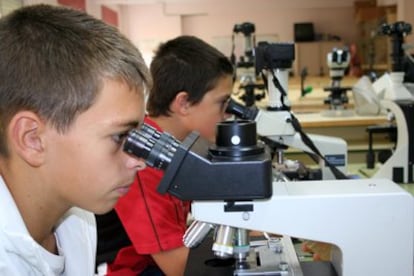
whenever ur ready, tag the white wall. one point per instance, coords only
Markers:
(213, 20)
(149, 25)
(268, 22)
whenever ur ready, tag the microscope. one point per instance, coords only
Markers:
(338, 61)
(370, 223)
(237, 155)
(396, 98)
(245, 66)
(277, 125)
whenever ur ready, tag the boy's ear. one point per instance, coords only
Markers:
(180, 104)
(26, 130)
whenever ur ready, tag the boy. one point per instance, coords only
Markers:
(192, 83)
(71, 88)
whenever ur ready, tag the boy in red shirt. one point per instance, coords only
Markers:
(192, 84)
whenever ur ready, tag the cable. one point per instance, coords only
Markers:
(305, 138)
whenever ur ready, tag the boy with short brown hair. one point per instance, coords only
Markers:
(71, 88)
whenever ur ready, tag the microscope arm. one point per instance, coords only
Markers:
(401, 155)
(277, 126)
(370, 222)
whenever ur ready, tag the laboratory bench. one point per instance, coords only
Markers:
(353, 129)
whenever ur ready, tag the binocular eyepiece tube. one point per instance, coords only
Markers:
(157, 148)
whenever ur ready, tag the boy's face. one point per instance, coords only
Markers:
(87, 165)
(206, 114)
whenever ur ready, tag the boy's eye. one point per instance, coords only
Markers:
(120, 137)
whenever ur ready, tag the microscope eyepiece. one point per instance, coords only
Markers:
(157, 148)
(241, 111)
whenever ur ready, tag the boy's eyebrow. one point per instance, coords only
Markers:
(128, 124)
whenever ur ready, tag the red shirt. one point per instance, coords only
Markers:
(154, 222)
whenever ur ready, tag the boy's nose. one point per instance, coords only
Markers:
(136, 163)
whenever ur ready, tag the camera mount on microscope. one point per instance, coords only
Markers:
(273, 61)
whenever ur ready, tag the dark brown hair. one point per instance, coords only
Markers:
(188, 64)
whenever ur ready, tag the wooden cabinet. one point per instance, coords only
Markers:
(374, 49)
(312, 55)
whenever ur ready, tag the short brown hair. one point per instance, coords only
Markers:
(53, 61)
